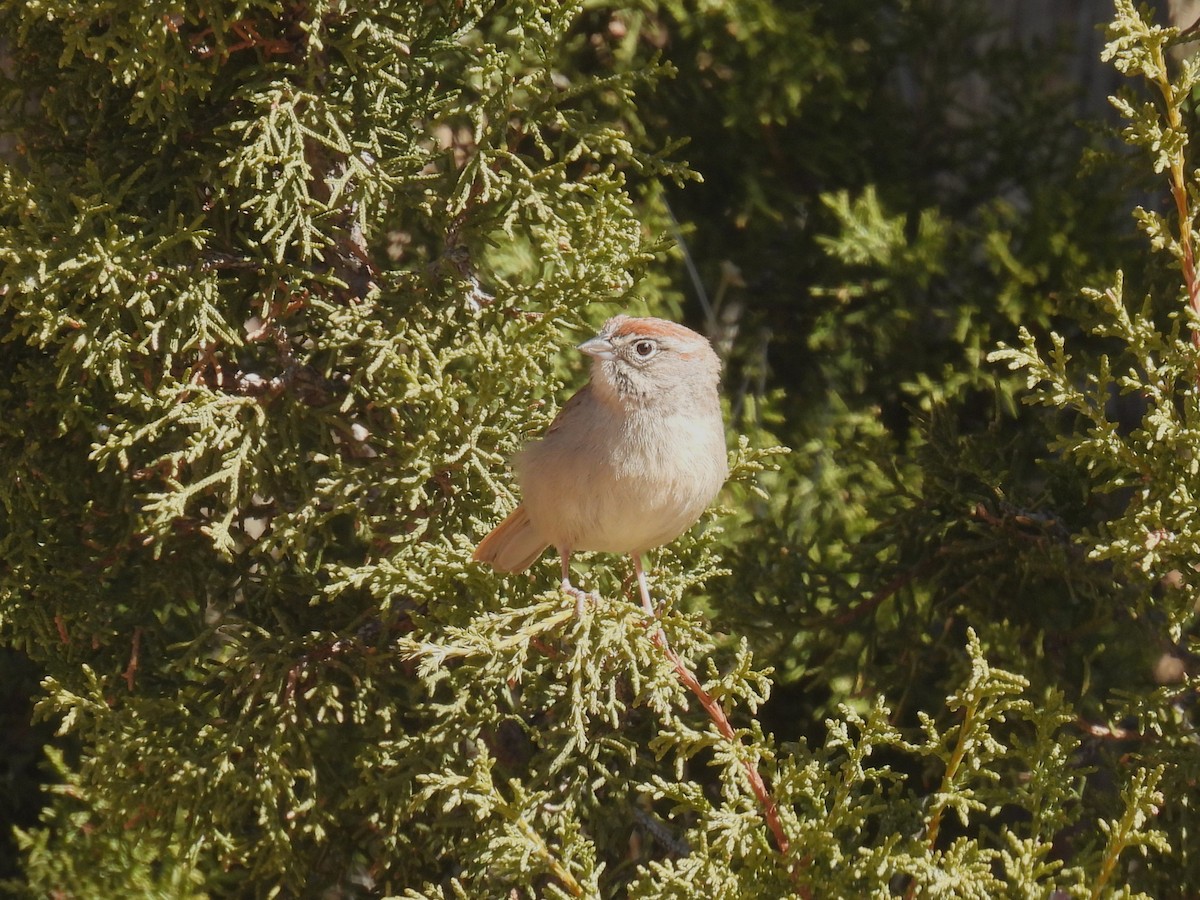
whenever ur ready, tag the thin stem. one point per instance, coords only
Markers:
(1107, 866)
(952, 767)
(135, 650)
(869, 605)
(1141, 800)
(1180, 194)
(557, 868)
(766, 802)
(717, 714)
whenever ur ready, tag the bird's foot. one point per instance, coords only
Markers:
(581, 596)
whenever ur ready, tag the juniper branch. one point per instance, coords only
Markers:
(762, 793)
(1179, 186)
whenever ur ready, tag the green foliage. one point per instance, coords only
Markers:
(244, 433)
(1135, 427)
(99, 863)
(283, 285)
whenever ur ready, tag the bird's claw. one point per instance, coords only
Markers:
(581, 597)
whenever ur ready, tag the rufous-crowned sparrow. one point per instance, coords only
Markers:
(629, 463)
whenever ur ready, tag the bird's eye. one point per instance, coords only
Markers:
(645, 349)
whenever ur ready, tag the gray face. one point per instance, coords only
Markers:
(648, 359)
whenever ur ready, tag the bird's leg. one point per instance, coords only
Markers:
(643, 587)
(569, 589)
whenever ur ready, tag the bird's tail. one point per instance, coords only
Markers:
(513, 545)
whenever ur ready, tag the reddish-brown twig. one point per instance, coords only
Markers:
(1179, 192)
(135, 651)
(717, 714)
(766, 802)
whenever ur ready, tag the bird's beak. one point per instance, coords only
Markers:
(599, 347)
